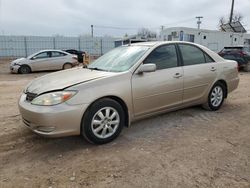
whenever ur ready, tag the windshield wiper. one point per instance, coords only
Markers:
(95, 68)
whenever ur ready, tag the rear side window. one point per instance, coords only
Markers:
(192, 55)
(208, 58)
(57, 54)
(164, 57)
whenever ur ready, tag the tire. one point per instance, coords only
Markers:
(67, 66)
(246, 68)
(24, 69)
(103, 121)
(217, 93)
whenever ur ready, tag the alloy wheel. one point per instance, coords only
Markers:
(216, 96)
(105, 122)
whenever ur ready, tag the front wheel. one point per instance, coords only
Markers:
(216, 97)
(103, 121)
(24, 69)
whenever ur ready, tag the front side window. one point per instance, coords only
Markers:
(43, 55)
(192, 55)
(164, 57)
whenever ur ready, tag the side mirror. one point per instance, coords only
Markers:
(147, 68)
(33, 58)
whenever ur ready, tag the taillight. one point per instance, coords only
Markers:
(221, 53)
(242, 53)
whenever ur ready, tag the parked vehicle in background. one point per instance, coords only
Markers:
(80, 54)
(44, 60)
(240, 54)
(126, 84)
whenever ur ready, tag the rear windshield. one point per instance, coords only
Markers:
(236, 48)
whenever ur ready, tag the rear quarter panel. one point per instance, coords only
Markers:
(228, 71)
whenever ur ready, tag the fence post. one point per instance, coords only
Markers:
(79, 43)
(54, 42)
(25, 47)
(101, 46)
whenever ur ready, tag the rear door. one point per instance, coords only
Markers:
(58, 59)
(156, 91)
(200, 71)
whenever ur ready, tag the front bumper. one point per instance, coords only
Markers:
(14, 68)
(52, 121)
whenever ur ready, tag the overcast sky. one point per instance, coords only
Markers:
(111, 17)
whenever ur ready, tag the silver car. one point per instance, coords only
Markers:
(126, 84)
(44, 60)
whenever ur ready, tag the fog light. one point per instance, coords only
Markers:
(45, 129)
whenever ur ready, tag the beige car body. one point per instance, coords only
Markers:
(141, 95)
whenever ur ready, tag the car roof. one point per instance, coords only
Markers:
(157, 43)
(51, 50)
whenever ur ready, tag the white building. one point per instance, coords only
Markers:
(214, 40)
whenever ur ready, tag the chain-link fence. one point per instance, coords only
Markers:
(23, 46)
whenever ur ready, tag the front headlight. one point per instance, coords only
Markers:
(14, 64)
(53, 98)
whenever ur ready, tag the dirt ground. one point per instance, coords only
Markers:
(186, 148)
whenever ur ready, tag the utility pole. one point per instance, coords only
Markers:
(92, 31)
(199, 21)
(232, 12)
(162, 27)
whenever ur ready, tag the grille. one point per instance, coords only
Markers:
(30, 96)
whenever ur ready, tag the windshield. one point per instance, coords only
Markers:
(30, 56)
(119, 59)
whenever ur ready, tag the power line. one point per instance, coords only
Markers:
(182, 21)
(116, 27)
(136, 28)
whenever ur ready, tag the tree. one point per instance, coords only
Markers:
(146, 33)
(236, 18)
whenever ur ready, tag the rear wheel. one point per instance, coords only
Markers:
(216, 97)
(247, 67)
(103, 121)
(24, 69)
(67, 66)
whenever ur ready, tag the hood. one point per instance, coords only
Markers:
(63, 79)
(18, 61)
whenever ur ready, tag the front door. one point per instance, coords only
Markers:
(156, 91)
(41, 61)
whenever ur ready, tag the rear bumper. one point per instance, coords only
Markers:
(75, 63)
(233, 84)
(52, 121)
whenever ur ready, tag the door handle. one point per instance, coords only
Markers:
(177, 75)
(213, 69)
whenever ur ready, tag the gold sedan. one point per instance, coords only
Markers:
(126, 84)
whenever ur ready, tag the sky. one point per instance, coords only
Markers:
(111, 17)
